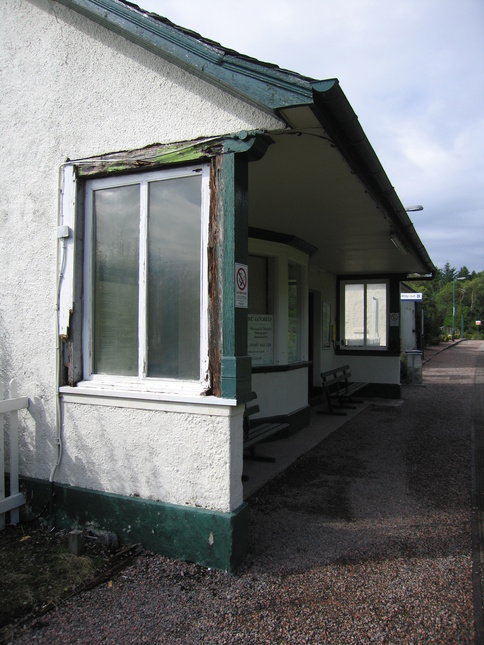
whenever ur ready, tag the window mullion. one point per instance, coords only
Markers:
(143, 283)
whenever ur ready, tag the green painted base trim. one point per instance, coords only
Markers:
(371, 390)
(237, 378)
(213, 539)
(297, 421)
(381, 391)
(271, 369)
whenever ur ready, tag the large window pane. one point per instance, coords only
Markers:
(354, 331)
(261, 310)
(376, 315)
(115, 306)
(174, 278)
(365, 321)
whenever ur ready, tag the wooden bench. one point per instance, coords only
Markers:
(336, 385)
(257, 431)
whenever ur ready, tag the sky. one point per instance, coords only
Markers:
(413, 71)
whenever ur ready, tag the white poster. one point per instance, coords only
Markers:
(260, 339)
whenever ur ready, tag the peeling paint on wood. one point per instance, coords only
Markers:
(150, 157)
(214, 297)
(157, 155)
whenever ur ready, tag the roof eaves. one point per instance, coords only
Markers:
(262, 84)
(266, 86)
(338, 118)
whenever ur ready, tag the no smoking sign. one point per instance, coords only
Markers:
(241, 286)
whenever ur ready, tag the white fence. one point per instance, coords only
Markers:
(16, 499)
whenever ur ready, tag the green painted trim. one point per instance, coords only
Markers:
(237, 378)
(289, 367)
(381, 391)
(211, 538)
(264, 85)
(226, 217)
(253, 143)
(370, 391)
(382, 353)
(232, 247)
(297, 421)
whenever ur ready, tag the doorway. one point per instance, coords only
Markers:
(314, 344)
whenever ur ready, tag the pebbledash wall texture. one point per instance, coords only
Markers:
(70, 90)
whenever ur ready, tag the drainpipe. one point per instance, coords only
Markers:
(63, 233)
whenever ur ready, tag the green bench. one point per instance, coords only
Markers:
(337, 387)
(257, 431)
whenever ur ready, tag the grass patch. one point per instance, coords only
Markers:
(38, 571)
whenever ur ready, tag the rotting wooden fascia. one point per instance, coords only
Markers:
(159, 155)
(150, 157)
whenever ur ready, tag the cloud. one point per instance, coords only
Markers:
(413, 72)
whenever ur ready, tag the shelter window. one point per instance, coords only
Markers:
(145, 276)
(261, 310)
(365, 318)
(278, 304)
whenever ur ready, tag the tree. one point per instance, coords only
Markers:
(448, 273)
(438, 298)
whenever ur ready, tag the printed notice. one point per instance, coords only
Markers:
(260, 328)
(241, 286)
(394, 320)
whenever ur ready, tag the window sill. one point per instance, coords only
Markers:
(90, 394)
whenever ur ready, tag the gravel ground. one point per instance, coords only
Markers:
(365, 539)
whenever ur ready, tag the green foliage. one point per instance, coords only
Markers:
(449, 287)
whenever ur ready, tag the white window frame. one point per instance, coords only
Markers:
(142, 382)
(364, 347)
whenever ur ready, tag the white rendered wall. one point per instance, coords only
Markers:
(281, 393)
(180, 455)
(371, 369)
(70, 90)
